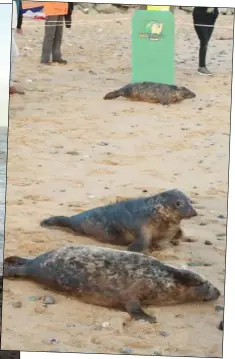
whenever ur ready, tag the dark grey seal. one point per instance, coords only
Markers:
(140, 223)
(152, 92)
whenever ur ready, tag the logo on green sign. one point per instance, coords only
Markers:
(153, 31)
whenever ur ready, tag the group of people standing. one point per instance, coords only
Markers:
(58, 13)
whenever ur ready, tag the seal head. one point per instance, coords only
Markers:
(178, 203)
(186, 93)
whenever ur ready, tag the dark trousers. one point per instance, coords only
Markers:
(204, 34)
(52, 38)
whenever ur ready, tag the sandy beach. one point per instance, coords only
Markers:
(69, 150)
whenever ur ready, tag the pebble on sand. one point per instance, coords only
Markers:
(102, 143)
(220, 236)
(33, 298)
(193, 264)
(208, 243)
(105, 324)
(16, 304)
(50, 341)
(218, 308)
(49, 300)
(126, 351)
(163, 333)
(72, 153)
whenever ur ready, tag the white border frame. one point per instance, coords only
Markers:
(229, 313)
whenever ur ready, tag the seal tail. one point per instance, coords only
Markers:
(113, 94)
(59, 221)
(15, 267)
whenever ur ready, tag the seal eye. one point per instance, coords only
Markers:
(179, 204)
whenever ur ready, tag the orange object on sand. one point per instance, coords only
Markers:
(55, 8)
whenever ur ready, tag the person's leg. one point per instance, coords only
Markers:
(203, 34)
(50, 28)
(56, 48)
(210, 31)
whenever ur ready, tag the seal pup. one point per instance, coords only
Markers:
(113, 278)
(141, 223)
(152, 92)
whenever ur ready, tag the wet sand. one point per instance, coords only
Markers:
(70, 151)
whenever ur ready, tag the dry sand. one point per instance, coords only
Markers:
(70, 151)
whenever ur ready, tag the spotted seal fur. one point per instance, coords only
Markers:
(113, 278)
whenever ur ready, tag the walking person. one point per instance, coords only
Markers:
(204, 16)
(54, 23)
(17, 18)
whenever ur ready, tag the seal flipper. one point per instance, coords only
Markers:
(134, 309)
(177, 237)
(142, 241)
(59, 221)
(112, 95)
(15, 267)
(137, 246)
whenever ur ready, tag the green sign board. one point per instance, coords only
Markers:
(153, 46)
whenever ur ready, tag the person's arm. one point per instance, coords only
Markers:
(68, 17)
(20, 16)
(216, 13)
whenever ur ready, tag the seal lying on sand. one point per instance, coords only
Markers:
(113, 278)
(152, 92)
(141, 222)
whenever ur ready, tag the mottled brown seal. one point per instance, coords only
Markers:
(152, 92)
(113, 278)
(140, 223)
